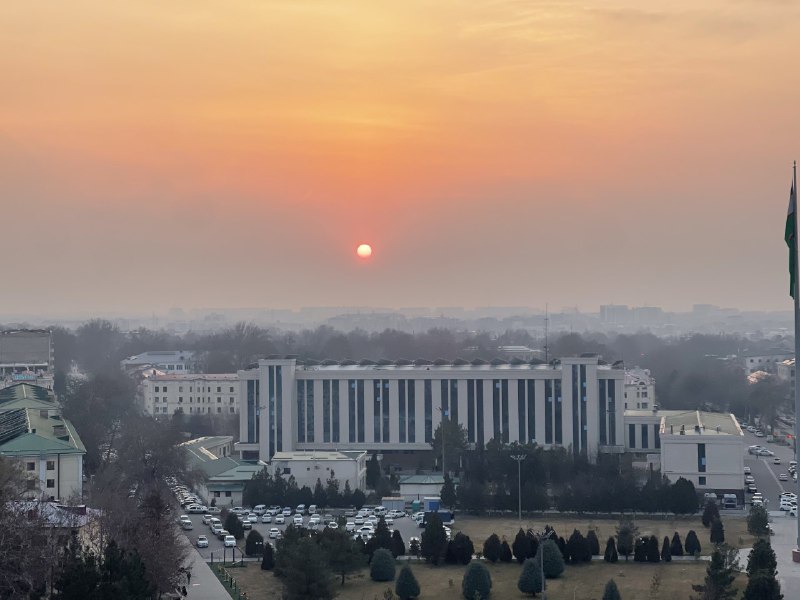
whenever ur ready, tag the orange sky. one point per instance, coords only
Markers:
(201, 153)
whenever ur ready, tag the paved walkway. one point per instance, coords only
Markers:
(205, 585)
(782, 542)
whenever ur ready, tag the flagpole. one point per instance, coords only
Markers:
(796, 345)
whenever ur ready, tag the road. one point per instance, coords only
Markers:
(765, 472)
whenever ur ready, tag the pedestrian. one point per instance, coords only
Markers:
(183, 591)
(189, 577)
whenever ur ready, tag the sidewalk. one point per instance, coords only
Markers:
(782, 543)
(205, 585)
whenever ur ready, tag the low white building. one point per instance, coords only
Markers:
(785, 370)
(171, 361)
(419, 487)
(192, 394)
(307, 467)
(640, 389)
(224, 477)
(765, 362)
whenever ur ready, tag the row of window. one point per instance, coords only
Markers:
(31, 466)
(204, 400)
(163, 388)
(200, 410)
(644, 437)
(31, 484)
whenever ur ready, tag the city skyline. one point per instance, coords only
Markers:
(236, 154)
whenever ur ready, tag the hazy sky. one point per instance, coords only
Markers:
(202, 153)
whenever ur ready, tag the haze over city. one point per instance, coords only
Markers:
(235, 154)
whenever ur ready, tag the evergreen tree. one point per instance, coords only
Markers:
(610, 555)
(530, 580)
(320, 497)
(383, 538)
(268, 558)
(505, 553)
(562, 545)
(594, 543)
(758, 521)
(682, 497)
(718, 582)
(414, 547)
(347, 494)
(761, 558)
(676, 548)
(382, 566)
(553, 559)
(533, 543)
(407, 587)
(710, 512)
(344, 555)
(492, 548)
(477, 582)
(626, 534)
(459, 550)
(717, 532)
(254, 544)
(373, 471)
(640, 550)
(692, 543)
(653, 555)
(305, 570)
(434, 540)
(611, 591)
(521, 546)
(358, 499)
(762, 586)
(398, 545)
(234, 526)
(666, 554)
(332, 495)
(448, 492)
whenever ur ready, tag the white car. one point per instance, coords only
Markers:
(333, 525)
(366, 530)
(207, 519)
(252, 517)
(266, 518)
(287, 511)
(747, 470)
(359, 520)
(229, 541)
(776, 460)
(202, 541)
(214, 510)
(783, 477)
(274, 533)
(749, 479)
(216, 528)
(298, 520)
(260, 509)
(350, 526)
(279, 519)
(395, 514)
(793, 512)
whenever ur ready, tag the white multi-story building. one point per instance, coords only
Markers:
(170, 361)
(192, 394)
(307, 467)
(785, 370)
(390, 407)
(765, 362)
(640, 389)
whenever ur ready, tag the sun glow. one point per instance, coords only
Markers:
(364, 251)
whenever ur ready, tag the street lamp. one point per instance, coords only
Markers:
(519, 458)
(444, 416)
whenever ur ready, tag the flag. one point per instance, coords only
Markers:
(790, 236)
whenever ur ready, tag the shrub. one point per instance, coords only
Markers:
(640, 550)
(491, 548)
(676, 548)
(505, 553)
(407, 586)
(553, 559)
(521, 546)
(611, 592)
(268, 558)
(398, 545)
(717, 532)
(234, 526)
(254, 545)
(382, 566)
(653, 555)
(666, 555)
(692, 543)
(434, 540)
(610, 555)
(710, 512)
(530, 580)
(594, 543)
(413, 547)
(758, 521)
(477, 582)
(682, 497)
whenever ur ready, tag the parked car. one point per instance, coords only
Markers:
(230, 541)
(279, 519)
(274, 533)
(252, 517)
(247, 524)
(202, 541)
(312, 509)
(783, 477)
(359, 520)
(747, 470)
(260, 509)
(214, 510)
(350, 512)
(752, 489)
(222, 533)
(350, 526)
(187, 525)
(207, 519)
(298, 520)
(333, 525)
(216, 528)
(749, 479)
(301, 509)
(287, 511)
(266, 518)
(396, 514)
(776, 460)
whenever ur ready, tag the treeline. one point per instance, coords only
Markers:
(277, 491)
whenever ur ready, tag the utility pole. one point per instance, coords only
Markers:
(519, 458)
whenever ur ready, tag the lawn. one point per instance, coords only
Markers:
(635, 582)
(480, 528)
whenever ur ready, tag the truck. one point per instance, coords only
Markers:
(431, 503)
(394, 503)
(447, 517)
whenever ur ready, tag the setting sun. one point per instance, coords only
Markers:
(364, 251)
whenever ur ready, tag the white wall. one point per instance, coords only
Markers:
(724, 460)
(192, 393)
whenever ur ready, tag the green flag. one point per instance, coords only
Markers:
(790, 236)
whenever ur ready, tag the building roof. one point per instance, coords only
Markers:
(637, 376)
(25, 347)
(695, 422)
(422, 480)
(316, 455)
(25, 392)
(198, 448)
(158, 357)
(194, 377)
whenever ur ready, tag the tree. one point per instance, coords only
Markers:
(758, 521)
(611, 591)
(594, 543)
(762, 586)
(553, 559)
(383, 538)
(717, 532)
(626, 533)
(505, 553)
(492, 548)
(640, 550)
(382, 566)
(761, 558)
(692, 543)
(373, 471)
(653, 555)
(407, 587)
(434, 540)
(448, 493)
(254, 544)
(455, 443)
(268, 558)
(676, 548)
(320, 497)
(530, 580)
(358, 499)
(460, 549)
(710, 512)
(343, 554)
(720, 575)
(521, 546)
(578, 548)
(610, 555)
(305, 570)
(234, 526)
(414, 547)
(683, 497)
(398, 545)
(666, 554)
(477, 582)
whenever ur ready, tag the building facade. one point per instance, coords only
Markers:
(170, 361)
(640, 389)
(576, 403)
(192, 394)
(26, 350)
(308, 467)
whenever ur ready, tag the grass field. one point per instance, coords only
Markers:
(586, 582)
(480, 528)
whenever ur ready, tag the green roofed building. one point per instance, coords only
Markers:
(34, 433)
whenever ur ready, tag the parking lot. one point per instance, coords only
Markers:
(766, 473)
(405, 525)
